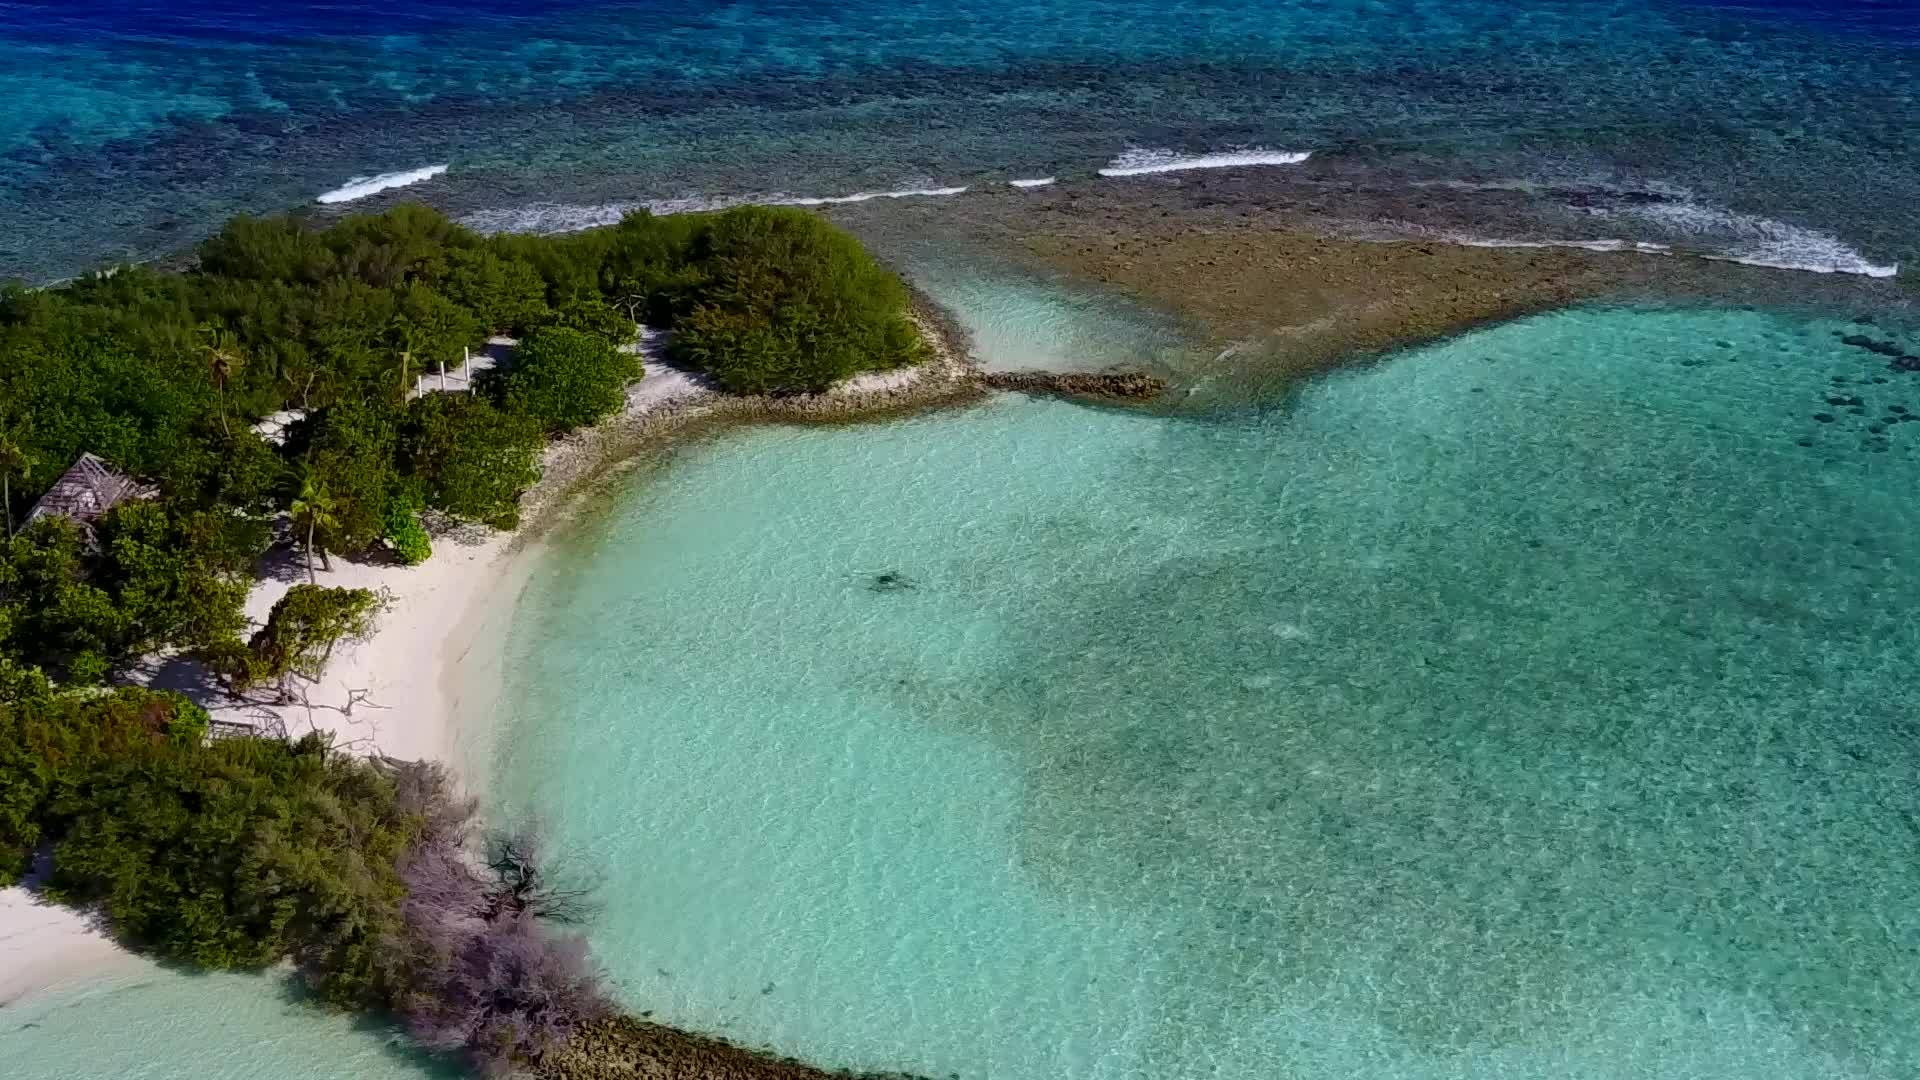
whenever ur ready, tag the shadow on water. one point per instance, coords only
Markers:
(1468, 726)
(383, 1029)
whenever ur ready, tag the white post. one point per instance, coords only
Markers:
(466, 365)
(443, 376)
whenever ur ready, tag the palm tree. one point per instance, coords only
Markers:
(13, 459)
(312, 510)
(224, 361)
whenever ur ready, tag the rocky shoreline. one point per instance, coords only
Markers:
(1276, 282)
(948, 377)
(1115, 386)
(626, 1048)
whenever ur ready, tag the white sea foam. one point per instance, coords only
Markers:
(546, 218)
(856, 197)
(362, 186)
(1641, 246)
(1676, 221)
(1730, 236)
(1041, 181)
(1139, 162)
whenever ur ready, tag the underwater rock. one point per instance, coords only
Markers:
(889, 581)
(1874, 345)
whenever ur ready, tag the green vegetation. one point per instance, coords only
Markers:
(301, 633)
(786, 303)
(409, 538)
(164, 375)
(150, 576)
(47, 740)
(244, 852)
(564, 378)
(595, 317)
(234, 855)
(469, 459)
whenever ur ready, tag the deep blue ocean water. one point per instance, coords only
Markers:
(133, 128)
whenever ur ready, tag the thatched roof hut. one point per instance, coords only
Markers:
(86, 491)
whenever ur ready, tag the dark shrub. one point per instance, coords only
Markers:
(596, 317)
(470, 459)
(790, 304)
(562, 379)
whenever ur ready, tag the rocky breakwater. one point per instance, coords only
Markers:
(1118, 386)
(624, 1048)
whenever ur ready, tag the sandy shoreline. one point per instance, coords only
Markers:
(426, 684)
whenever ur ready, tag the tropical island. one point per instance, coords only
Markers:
(230, 736)
(302, 397)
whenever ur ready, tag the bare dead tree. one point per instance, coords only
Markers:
(508, 993)
(483, 972)
(356, 697)
(527, 881)
(425, 790)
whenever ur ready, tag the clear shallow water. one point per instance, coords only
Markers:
(134, 128)
(163, 1025)
(1531, 706)
(1019, 320)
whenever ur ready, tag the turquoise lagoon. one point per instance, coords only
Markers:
(1531, 705)
(1019, 318)
(156, 1024)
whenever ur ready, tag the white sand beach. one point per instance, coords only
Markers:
(424, 684)
(44, 945)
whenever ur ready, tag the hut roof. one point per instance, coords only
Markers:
(86, 491)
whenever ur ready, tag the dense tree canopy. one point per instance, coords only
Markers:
(236, 853)
(149, 577)
(165, 375)
(787, 303)
(564, 378)
(243, 852)
(469, 459)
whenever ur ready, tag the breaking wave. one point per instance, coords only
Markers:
(1138, 162)
(362, 186)
(1655, 218)
(1730, 236)
(860, 196)
(1641, 246)
(547, 218)
(1666, 218)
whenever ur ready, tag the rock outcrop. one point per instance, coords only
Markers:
(624, 1048)
(1121, 386)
